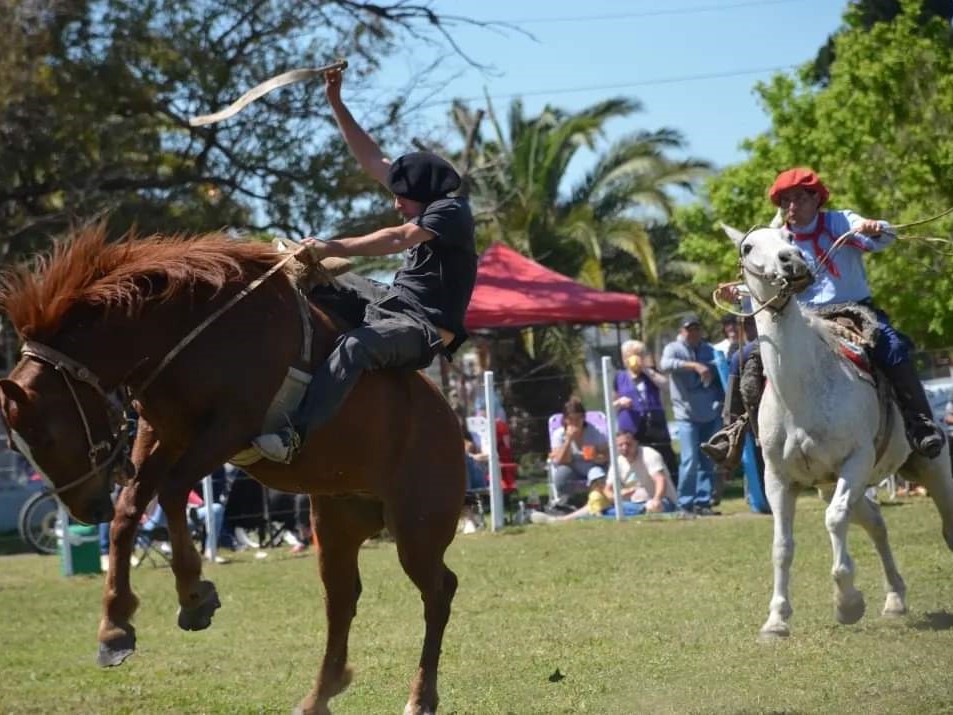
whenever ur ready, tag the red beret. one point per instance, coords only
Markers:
(798, 178)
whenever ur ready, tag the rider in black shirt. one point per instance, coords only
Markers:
(422, 313)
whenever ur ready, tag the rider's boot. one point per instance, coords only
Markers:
(725, 446)
(922, 432)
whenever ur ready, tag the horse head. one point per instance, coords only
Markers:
(773, 269)
(69, 431)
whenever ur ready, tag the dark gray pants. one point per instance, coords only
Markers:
(390, 335)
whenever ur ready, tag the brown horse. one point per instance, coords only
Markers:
(101, 317)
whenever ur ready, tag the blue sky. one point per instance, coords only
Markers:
(585, 52)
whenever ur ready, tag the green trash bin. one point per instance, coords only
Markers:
(83, 544)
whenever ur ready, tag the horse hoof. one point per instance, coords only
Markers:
(200, 617)
(411, 709)
(848, 614)
(116, 650)
(894, 606)
(774, 634)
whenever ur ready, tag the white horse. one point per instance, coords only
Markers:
(818, 425)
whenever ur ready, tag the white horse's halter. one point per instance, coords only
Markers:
(786, 288)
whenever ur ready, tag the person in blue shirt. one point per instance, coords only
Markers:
(799, 195)
(696, 406)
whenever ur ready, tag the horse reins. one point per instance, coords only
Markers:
(823, 263)
(785, 292)
(69, 368)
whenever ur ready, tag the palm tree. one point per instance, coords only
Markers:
(516, 179)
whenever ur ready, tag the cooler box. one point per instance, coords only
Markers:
(83, 543)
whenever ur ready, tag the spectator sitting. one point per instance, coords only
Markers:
(644, 476)
(157, 518)
(476, 476)
(596, 505)
(582, 452)
(638, 399)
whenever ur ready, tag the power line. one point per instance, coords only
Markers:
(626, 85)
(647, 13)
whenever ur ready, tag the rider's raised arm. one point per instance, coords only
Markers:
(362, 145)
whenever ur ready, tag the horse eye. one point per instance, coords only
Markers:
(746, 249)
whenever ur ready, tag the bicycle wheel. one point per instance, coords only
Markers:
(38, 523)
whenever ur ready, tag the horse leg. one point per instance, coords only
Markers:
(340, 524)
(935, 475)
(867, 513)
(198, 599)
(783, 499)
(849, 605)
(116, 635)
(421, 544)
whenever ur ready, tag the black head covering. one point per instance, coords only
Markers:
(422, 176)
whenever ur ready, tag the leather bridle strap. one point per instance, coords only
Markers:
(68, 368)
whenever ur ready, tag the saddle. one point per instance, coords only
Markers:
(306, 278)
(855, 329)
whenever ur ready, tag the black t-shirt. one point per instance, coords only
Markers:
(438, 275)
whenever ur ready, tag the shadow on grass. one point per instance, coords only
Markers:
(935, 621)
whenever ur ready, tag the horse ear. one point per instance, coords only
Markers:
(734, 234)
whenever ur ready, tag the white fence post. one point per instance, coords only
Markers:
(211, 536)
(496, 488)
(611, 429)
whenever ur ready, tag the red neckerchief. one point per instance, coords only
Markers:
(815, 238)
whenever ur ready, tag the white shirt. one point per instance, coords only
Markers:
(638, 473)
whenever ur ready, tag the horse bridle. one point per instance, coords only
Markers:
(70, 368)
(117, 446)
(786, 289)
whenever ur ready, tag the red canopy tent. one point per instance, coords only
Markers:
(513, 291)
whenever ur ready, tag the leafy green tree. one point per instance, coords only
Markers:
(868, 12)
(95, 97)
(881, 135)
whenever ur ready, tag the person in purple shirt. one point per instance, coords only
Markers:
(638, 400)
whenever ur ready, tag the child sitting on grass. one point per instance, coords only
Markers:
(596, 505)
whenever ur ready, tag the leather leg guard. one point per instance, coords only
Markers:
(725, 446)
(922, 432)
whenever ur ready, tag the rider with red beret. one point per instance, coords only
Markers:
(799, 195)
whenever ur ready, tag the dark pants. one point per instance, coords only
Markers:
(391, 334)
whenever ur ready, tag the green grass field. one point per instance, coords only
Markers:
(640, 617)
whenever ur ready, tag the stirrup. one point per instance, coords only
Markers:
(281, 446)
(924, 437)
(725, 446)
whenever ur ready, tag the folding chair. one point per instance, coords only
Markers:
(480, 427)
(154, 535)
(596, 418)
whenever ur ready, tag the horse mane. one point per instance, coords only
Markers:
(86, 269)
